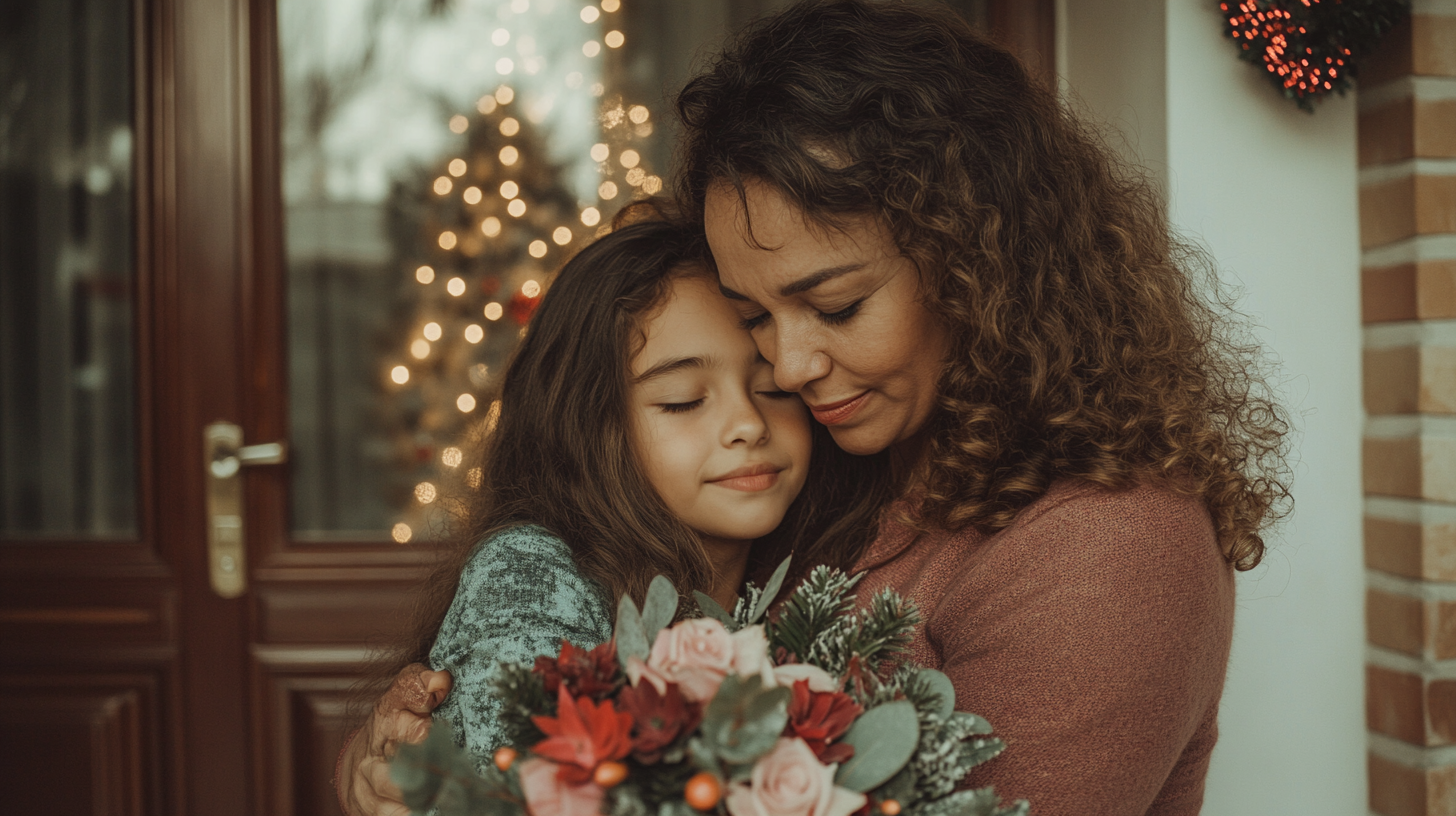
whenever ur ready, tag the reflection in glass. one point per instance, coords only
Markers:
(67, 389)
(441, 160)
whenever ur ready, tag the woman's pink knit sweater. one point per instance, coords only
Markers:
(1093, 633)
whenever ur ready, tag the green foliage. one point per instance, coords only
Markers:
(523, 695)
(741, 723)
(631, 633)
(659, 607)
(440, 775)
(819, 625)
(884, 739)
(816, 608)
(711, 609)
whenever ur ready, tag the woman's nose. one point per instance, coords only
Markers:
(797, 359)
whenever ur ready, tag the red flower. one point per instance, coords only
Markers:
(592, 673)
(819, 718)
(660, 718)
(582, 736)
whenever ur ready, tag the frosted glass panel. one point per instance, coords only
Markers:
(67, 384)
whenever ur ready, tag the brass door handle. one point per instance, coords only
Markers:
(224, 456)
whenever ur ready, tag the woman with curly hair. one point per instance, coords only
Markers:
(945, 265)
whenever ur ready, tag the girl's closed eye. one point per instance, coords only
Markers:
(679, 407)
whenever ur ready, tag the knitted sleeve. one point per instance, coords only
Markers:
(520, 594)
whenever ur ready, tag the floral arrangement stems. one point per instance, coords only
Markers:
(808, 714)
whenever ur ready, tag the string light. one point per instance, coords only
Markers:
(457, 167)
(607, 190)
(491, 226)
(590, 14)
(638, 114)
(466, 403)
(597, 89)
(531, 288)
(510, 189)
(504, 94)
(486, 105)
(636, 176)
(474, 333)
(573, 79)
(562, 236)
(493, 311)
(473, 195)
(599, 152)
(610, 6)
(504, 66)
(432, 331)
(425, 492)
(614, 39)
(516, 208)
(651, 185)
(591, 216)
(500, 36)
(456, 287)
(425, 275)
(537, 249)
(448, 240)
(509, 154)
(401, 533)
(591, 48)
(399, 374)
(443, 185)
(420, 349)
(630, 158)
(452, 456)
(473, 477)
(510, 126)
(459, 124)
(520, 6)
(492, 416)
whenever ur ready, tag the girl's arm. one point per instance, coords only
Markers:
(520, 595)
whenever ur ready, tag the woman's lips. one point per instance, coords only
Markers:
(750, 479)
(834, 413)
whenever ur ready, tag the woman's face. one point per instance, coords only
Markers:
(725, 448)
(837, 312)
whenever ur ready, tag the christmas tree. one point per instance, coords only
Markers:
(478, 238)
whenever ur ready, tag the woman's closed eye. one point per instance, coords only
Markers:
(832, 318)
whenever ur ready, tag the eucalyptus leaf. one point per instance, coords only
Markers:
(711, 608)
(744, 719)
(775, 583)
(884, 739)
(631, 635)
(660, 606)
(940, 685)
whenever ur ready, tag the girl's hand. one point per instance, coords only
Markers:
(401, 715)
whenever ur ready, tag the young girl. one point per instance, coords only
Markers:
(640, 432)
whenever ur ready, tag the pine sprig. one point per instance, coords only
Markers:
(886, 630)
(523, 695)
(817, 607)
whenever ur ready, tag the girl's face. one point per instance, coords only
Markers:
(837, 312)
(724, 446)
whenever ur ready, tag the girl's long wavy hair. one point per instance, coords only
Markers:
(1087, 341)
(561, 452)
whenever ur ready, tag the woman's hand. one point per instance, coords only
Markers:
(401, 715)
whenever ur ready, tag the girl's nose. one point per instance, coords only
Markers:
(746, 424)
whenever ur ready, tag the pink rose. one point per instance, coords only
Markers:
(819, 680)
(548, 795)
(750, 654)
(637, 671)
(790, 781)
(695, 654)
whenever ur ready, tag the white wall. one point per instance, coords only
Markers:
(1271, 192)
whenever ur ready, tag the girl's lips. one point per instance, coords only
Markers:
(751, 479)
(836, 412)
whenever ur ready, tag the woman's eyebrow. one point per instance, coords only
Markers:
(668, 366)
(801, 285)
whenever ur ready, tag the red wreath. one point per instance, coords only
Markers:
(1310, 48)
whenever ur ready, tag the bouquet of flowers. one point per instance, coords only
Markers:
(806, 714)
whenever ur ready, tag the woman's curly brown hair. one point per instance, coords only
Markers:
(1087, 342)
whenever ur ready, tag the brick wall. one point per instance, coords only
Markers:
(1407, 155)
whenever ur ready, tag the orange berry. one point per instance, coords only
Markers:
(504, 758)
(703, 791)
(890, 807)
(610, 774)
